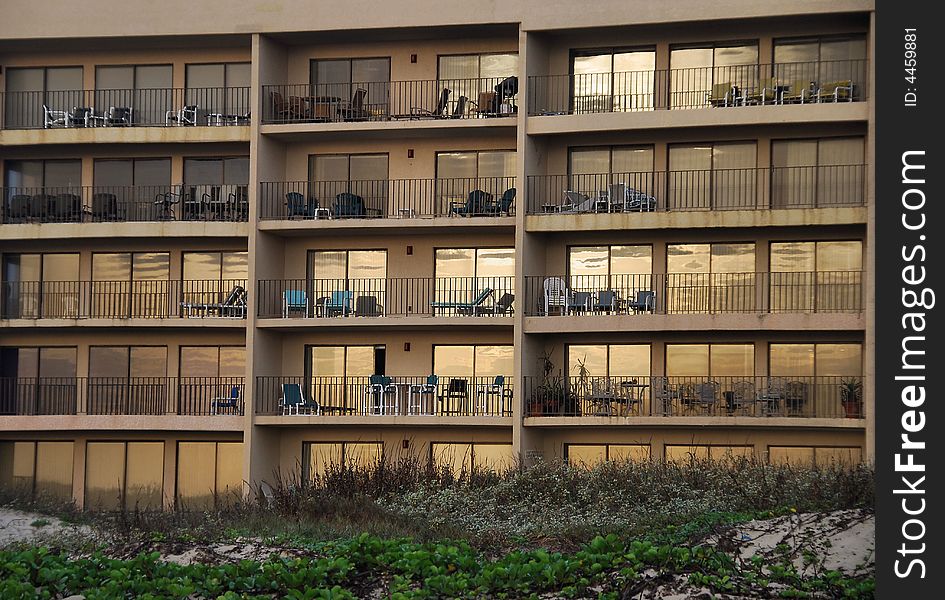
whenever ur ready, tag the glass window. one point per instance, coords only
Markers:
(695, 71)
(713, 176)
(338, 374)
(363, 175)
(473, 361)
(54, 469)
(343, 281)
(320, 457)
(456, 458)
(458, 174)
(475, 76)
(17, 466)
(339, 80)
(780, 455)
(493, 457)
(207, 471)
(625, 270)
(594, 170)
(462, 274)
(208, 277)
(711, 278)
(28, 89)
(144, 478)
(614, 360)
(821, 60)
(590, 455)
(824, 172)
(816, 276)
(613, 81)
(104, 475)
(219, 88)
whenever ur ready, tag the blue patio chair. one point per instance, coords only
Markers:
(233, 401)
(476, 203)
(418, 391)
(298, 206)
(294, 300)
(337, 304)
(379, 387)
(293, 401)
(498, 390)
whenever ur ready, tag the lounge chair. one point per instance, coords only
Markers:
(234, 401)
(836, 91)
(417, 392)
(474, 204)
(54, 118)
(464, 308)
(367, 306)
(338, 304)
(233, 306)
(417, 112)
(355, 110)
(723, 94)
(459, 111)
(576, 202)
(68, 208)
(801, 91)
(503, 305)
(645, 302)
(293, 401)
(294, 300)
(765, 93)
(238, 203)
(286, 112)
(185, 116)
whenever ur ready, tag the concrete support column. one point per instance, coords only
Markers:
(170, 473)
(78, 472)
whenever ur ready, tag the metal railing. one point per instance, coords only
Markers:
(121, 395)
(695, 293)
(758, 188)
(454, 98)
(146, 299)
(388, 198)
(107, 204)
(701, 87)
(154, 107)
(392, 396)
(392, 297)
(658, 396)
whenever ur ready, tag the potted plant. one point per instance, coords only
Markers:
(851, 397)
(547, 397)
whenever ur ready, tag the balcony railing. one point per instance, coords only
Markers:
(748, 396)
(121, 395)
(107, 204)
(695, 293)
(762, 188)
(694, 88)
(456, 98)
(392, 396)
(147, 299)
(155, 107)
(393, 297)
(388, 198)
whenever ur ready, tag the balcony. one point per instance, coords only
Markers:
(583, 296)
(442, 100)
(122, 108)
(344, 301)
(725, 398)
(150, 300)
(154, 396)
(389, 397)
(776, 84)
(753, 189)
(388, 199)
(125, 204)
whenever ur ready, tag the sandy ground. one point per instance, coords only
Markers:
(18, 526)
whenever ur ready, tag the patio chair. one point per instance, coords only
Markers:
(645, 302)
(355, 110)
(349, 205)
(368, 306)
(294, 300)
(795, 397)
(238, 203)
(475, 204)
(743, 397)
(81, 116)
(637, 201)
(577, 202)
(54, 118)
(579, 303)
(799, 92)
(439, 112)
(498, 390)
(705, 396)
(42, 206)
(765, 93)
(18, 209)
(167, 200)
(68, 208)
(118, 116)
(104, 207)
(459, 111)
(378, 389)
(293, 401)
(602, 397)
(456, 397)
(503, 206)
(298, 206)
(607, 301)
(286, 112)
(461, 307)
(772, 396)
(185, 116)
(417, 391)
(234, 402)
(665, 397)
(836, 91)
(486, 106)
(233, 306)
(723, 94)
(337, 304)
(503, 305)
(555, 295)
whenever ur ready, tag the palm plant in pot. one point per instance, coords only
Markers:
(851, 397)
(547, 398)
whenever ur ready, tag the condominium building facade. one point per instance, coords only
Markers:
(260, 241)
